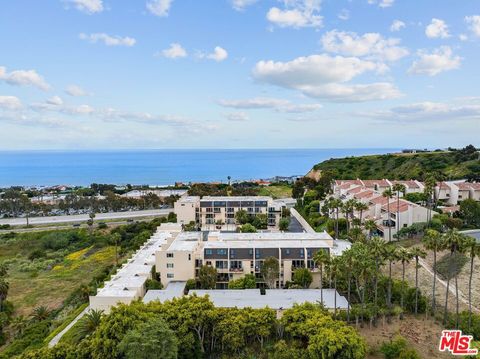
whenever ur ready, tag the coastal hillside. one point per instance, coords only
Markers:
(451, 164)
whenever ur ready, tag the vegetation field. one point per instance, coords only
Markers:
(454, 164)
(276, 191)
(50, 274)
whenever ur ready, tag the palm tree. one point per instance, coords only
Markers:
(334, 268)
(377, 247)
(321, 258)
(347, 261)
(388, 194)
(40, 313)
(336, 205)
(348, 208)
(453, 240)
(370, 226)
(390, 253)
(404, 256)
(398, 187)
(360, 207)
(417, 253)
(429, 191)
(88, 324)
(434, 242)
(472, 246)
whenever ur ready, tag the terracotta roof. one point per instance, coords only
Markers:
(379, 200)
(351, 182)
(379, 183)
(402, 206)
(364, 194)
(444, 185)
(408, 184)
(467, 186)
(355, 190)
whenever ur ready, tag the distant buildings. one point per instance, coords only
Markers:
(219, 213)
(389, 214)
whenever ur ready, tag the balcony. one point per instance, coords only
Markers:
(236, 270)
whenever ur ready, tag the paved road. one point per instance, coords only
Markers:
(75, 218)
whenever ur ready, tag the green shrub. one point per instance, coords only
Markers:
(398, 348)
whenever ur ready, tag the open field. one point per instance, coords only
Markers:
(48, 281)
(422, 334)
(280, 191)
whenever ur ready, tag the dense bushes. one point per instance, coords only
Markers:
(398, 348)
(198, 329)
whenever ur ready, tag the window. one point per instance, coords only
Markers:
(208, 252)
(230, 210)
(169, 255)
(287, 251)
(169, 265)
(169, 275)
(221, 251)
(257, 210)
(189, 257)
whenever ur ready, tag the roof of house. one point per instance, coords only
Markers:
(277, 299)
(365, 194)
(379, 183)
(408, 184)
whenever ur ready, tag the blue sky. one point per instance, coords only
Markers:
(106, 74)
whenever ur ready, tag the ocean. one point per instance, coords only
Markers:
(159, 167)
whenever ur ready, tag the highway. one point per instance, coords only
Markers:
(78, 218)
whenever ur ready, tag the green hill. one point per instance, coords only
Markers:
(451, 164)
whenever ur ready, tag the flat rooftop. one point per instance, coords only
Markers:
(277, 299)
(173, 290)
(273, 236)
(236, 198)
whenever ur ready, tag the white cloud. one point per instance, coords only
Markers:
(88, 6)
(437, 29)
(474, 24)
(278, 105)
(371, 45)
(382, 3)
(159, 7)
(296, 14)
(438, 61)
(108, 39)
(236, 116)
(10, 103)
(219, 54)
(463, 37)
(24, 78)
(174, 51)
(55, 100)
(240, 5)
(324, 77)
(429, 111)
(76, 91)
(397, 25)
(344, 14)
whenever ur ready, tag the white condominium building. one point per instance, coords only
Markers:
(218, 213)
(235, 254)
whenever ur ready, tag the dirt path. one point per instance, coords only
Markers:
(462, 297)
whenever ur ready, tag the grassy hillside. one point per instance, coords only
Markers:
(454, 164)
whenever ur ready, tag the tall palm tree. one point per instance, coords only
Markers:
(398, 188)
(433, 241)
(388, 194)
(321, 258)
(370, 226)
(417, 253)
(453, 241)
(347, 261)
(334, 269)
(404, 256)
(473, 248)
(336, 205)
(390, 254)
(360, 207)
(377, 247)
(429, 191)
